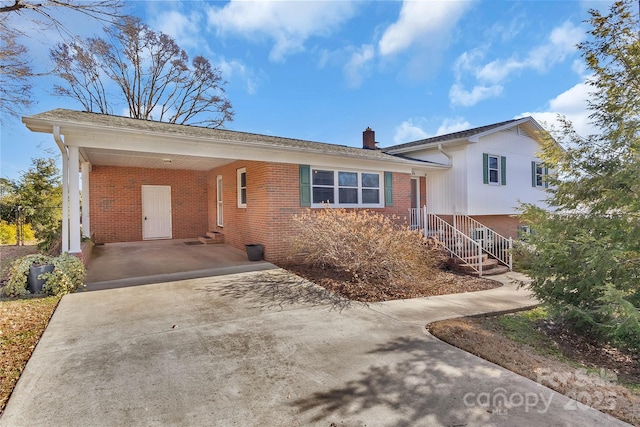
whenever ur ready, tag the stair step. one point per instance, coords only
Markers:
(214, 237)
(500, 269)
(470, 260)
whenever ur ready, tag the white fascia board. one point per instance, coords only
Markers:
(428, 146)
(476, 138)
(84, 135)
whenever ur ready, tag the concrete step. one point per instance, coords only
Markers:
(500, 269)
(212, 237)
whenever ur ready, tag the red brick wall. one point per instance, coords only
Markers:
(273, 197)
(505, 225)
(116, 201)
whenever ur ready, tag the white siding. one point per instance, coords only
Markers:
(520, 151)
(461, 188)
(447, 189)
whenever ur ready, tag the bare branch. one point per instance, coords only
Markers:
(152, 73)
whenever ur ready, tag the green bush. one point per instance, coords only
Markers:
(373, 249)
(67, 276)
(8, 233)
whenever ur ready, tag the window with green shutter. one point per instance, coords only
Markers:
(494, 169)
(305, 185)
(344, 188)
(539, 172)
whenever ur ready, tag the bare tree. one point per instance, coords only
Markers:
(16, 72)
(155, 79)
(15, 76)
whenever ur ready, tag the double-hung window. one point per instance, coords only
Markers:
(346, 188)
(539, 174)
(494, 169)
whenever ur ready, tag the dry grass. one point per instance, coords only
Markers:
(604, 378)
(22, 323)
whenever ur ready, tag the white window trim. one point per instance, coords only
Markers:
(543, 175)
(219, 202)
(336, 187)
(239, 173)
(498, 169)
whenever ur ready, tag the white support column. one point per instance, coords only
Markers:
(74, 201)
(86, 219)
(65, 188)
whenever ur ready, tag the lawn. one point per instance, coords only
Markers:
(530, 344)
(22, 322)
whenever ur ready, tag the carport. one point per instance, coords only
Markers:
(115, 265)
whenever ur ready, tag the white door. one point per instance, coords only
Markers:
(156, 212)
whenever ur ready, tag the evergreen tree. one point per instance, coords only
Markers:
(585, 262)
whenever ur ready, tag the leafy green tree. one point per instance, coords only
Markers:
(40, 194)
(586, 251)
(8, 200)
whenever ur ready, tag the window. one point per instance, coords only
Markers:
(539, 174)
(219, 200)
(345, 188)
(242, 187)
(494, 169)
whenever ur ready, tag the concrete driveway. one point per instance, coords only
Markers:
(268, 349)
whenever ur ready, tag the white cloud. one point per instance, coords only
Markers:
(571, 104)
(235, 70)
(458, 95)
(452, 125)
(408, 131)
(288, 24)
(488, 78)
(357, 66)
(421, 21)
(184, 29)
(412, 129)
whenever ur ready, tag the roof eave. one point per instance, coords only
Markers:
(46, 125)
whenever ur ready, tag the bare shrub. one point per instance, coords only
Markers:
(375, 252)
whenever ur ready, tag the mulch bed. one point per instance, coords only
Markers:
(483, 337)
(439, 283)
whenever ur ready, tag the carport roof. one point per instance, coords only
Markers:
(86, 122)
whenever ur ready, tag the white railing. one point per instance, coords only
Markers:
(459, 245)
(415, 219)
(496, 245)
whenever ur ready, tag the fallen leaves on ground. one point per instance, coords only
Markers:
(482, 336)
(439, 283)
(22, 323)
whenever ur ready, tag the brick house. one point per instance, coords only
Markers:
(143, 180)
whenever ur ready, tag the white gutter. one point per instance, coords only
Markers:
(447, 155)
(65, 188)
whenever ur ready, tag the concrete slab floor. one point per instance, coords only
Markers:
(265, 349)
(132, 262)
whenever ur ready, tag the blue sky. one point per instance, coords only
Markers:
(325, 71)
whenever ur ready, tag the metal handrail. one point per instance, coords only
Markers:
(458, 244)
(496, 245)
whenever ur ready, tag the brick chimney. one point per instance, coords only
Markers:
(369, 139)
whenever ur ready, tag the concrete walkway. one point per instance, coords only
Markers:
(268, 348)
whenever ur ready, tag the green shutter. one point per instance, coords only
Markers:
(388, 189)
(546, 175)
(305, 185)
(503, 170)
(485, 168)
(534, 182)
